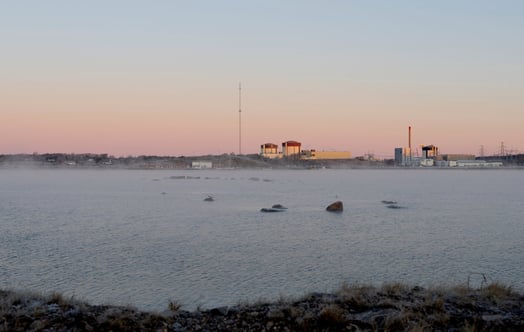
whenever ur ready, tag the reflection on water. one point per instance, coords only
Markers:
(146, 237)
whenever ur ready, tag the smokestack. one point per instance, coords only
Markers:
(409, 137)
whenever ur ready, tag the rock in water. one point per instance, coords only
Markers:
(271, 210)
(389, 202)
(335, 207)
(209, 198)
(394, 206)
(279, 206)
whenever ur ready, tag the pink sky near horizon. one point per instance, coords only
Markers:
(360, 127)
(163, 80)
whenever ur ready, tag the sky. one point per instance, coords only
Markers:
(162, 77)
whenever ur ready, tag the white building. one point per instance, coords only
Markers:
(201, 164)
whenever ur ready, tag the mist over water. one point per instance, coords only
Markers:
(146, 237)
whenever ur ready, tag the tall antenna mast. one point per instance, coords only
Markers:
(239, 118)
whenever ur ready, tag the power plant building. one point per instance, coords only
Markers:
(431, 157)
(269, 150)
(403, 156)
(429, 151)
(291, 149)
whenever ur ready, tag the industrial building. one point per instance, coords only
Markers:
(403, 156)
(201, 164)
(429, 151)
(456, 157)
(269, 150)
(430, 157)
(468, 163)
(292, 150)
(331, 155)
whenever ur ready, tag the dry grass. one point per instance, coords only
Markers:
(391, 307)
(174, 306)
(460, 289)
(358, 297)
(400, 322)
(395, 289)
(497, 291)
(332, 317)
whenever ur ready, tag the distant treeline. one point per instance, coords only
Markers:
(49, 160)
(92, 160)
(104, 160)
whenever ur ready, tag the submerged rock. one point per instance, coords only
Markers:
(271, 210)
(335, 207)
(394, 206)
(389, 202)
(275, 208)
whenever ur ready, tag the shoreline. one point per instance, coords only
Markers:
(391, 307)
(224, 161)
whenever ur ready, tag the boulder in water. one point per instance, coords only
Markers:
(335, 207)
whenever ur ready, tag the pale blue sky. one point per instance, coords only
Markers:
(335, 75)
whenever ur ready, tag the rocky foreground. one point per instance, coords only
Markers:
(392, 307)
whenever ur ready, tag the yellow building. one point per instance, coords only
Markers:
(328, 155)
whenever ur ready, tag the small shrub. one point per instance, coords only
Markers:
(461, 290)
(295, 312)
(434, 304)
(419, 327)
(469, 327)
(399, 322)
(439, 320)
(357, 297)
(57, 298)
(174, 306)
(395, 289)
(332, 316)
(497, 290)
(282, 299)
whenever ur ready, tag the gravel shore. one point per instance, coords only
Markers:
(392, 307)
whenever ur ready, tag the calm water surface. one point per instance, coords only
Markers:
(146, 237)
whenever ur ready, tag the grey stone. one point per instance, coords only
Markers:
(220, 311)
(337, 206)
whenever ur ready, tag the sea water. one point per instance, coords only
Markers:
(144, 238)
